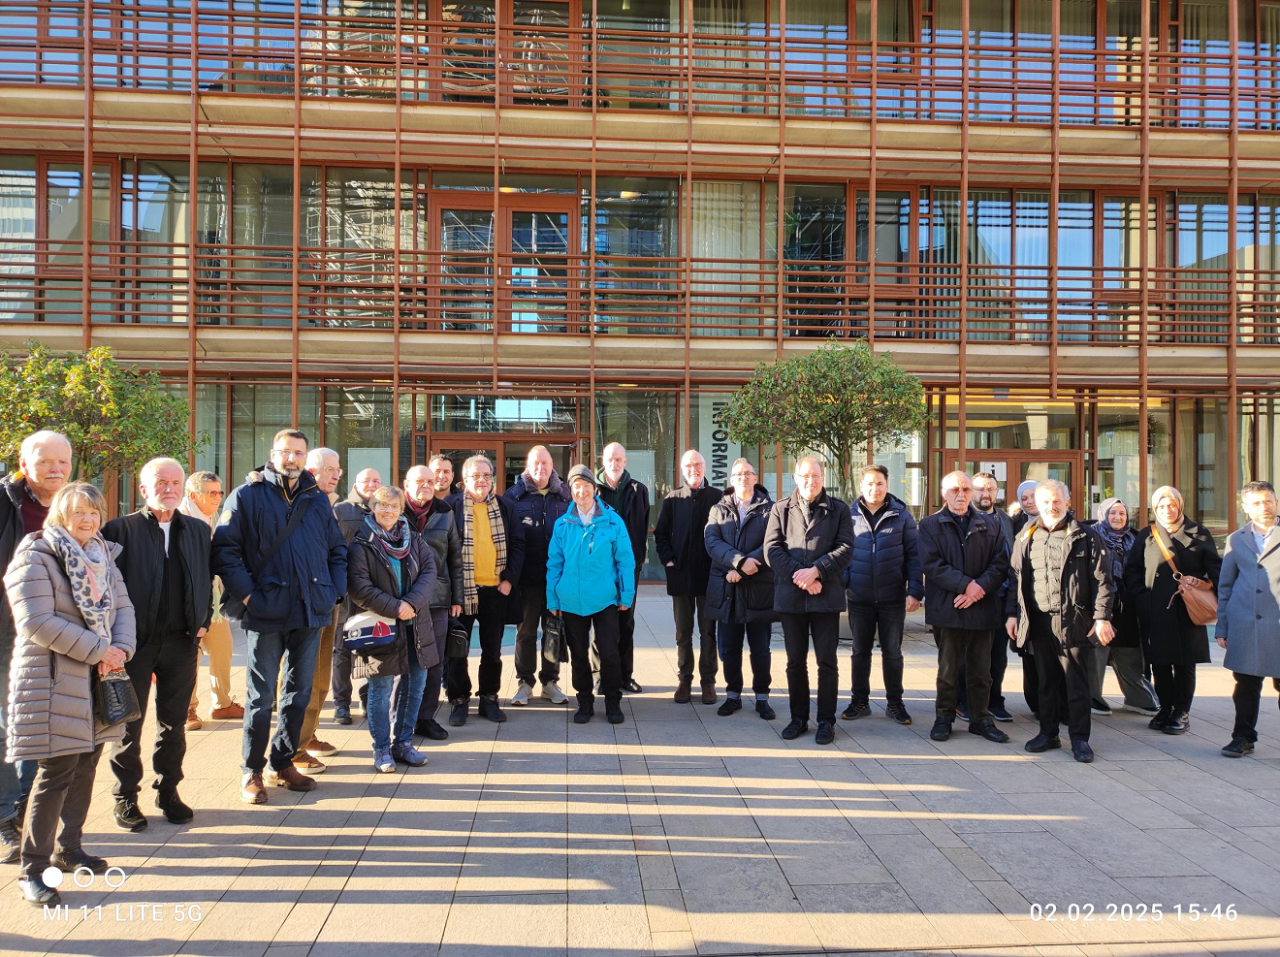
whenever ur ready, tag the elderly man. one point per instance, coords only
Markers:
(44, 465)
(1060, 599)
(965, 562)
(986, 489)
(492, 560)
(682, 549)
(201, 503)
(165, 568)
(538, 497)
(809, 544)
(351, 515)
(628, 497)
(1249, 611)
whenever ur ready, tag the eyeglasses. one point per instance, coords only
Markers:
(289, 453)
(331, 470)
(741, 474)
(386, 507)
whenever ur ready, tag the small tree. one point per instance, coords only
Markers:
(831, 401)
(117, 417)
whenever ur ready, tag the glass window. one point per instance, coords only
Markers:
(1202, 461)
(258, 412)
(636, 218)
(631, 68)
(65, 213)
(211, 417)
(713, 441)
(892, 232)
(262, 216)
(905, 462)
(1006, 423)
(507, 182)
(17, 237)
(727, 289)
(1118, 450)
(817, 46)
(357, 425)
(487, 413)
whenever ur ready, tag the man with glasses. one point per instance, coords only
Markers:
(351, 515)
(492, 559)
(283, 563)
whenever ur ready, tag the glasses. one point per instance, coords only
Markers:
(741, 474)
(331, 470)
(213, 493)
(289, 453)
(386, 507)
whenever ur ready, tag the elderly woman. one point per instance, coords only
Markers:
(72, 616)
(1125, 651)
(1173, 644)
(391, 572)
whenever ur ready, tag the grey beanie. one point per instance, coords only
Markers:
(581, 472)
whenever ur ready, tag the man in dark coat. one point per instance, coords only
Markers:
(808, 544)
(882, 584)
(628, 497)
(986, 489)
(1060, 596)
(165, 568)
(283, 564)
(965, 562)
(538, 498)
(44, 465)
(678, 536)
(351, 515)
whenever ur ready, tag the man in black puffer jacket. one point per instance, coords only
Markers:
(882, 584)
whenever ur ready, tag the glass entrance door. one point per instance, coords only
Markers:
(508, 454)
(1012, 471)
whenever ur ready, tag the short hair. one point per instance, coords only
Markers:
(741, 461)
(439, 457)
(154, 465)
(986, 476)
(1170, 491)
(387, 493)
(198, 480)
(1258, 486)
(316, 454)
(877, 469)
(1056, 486)
(289, 434)
(469, 465)
(953, 474)
(67, 497)
(28, 447)
(812, 460)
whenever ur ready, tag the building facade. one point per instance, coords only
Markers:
(420, 226)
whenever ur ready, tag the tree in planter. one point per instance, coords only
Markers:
(831, 401)
(116, 416)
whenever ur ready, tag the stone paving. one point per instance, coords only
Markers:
(682, 832)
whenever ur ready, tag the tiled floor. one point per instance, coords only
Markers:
(684, 832)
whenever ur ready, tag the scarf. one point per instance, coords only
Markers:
(88, 570)
(1119, 542)
(395, 542)
(470, 593)
(418, 514)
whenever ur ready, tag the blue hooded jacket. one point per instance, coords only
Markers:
(590, 566)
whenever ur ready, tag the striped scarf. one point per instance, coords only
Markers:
(470, 593)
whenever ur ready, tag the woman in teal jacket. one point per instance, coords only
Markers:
(590, 579)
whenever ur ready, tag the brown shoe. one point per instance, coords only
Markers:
(232, 710)
(251, 789)
(308, 765)
(321, 748)
(290, 778)
(682, 692)
(708, 693)
(193, 720)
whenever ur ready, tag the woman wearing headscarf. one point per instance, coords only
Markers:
(1125, 651)
(1027, 500)
(1173, 644)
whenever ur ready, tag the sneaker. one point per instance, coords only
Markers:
(962, 712)
(764, 709)
(1134, 709)
(10, 841)
(342, 716)
(522, 695)
(613, 711)
(430, 728)
(68, 861)
(1000, 712)
(128, 817)
(797, 727)
(251, 789)
(709, 692)
(320, 749)
(730, 706)
(408, 754)
(231, 712)
(37, 893)
(898, 712)
(856, 710)
(551, 691)
(458, 712)
(173, 808)
(309, 764)
(383, 762)
(632, 686)
(193, 722)
(289, 777)
(1100, 707)
(488, 708)
(683, 692)
(1179, 723)
(1238, 748)
(826, 733)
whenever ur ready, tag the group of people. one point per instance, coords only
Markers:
(425, 566)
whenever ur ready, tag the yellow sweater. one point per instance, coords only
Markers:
(485, 555)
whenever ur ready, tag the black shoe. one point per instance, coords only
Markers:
(1179, 723)
(584, 713)
(1081, 751)
(68, 861)
(37, 893)
(797, 727)
(986, 728)
(857, 709)
(898, 712)
(1160, 720)
(765, 711)
(941, 729)
(1238, 748)
(10, 841)
(488, 708)
(729, 707)
(962, 712)
(430, 728)
(1000, 712)
(826, 732)
(631, 686)
(613, 711)
(174, 810)
(342, 716)
(128, 817)
(1043, 742)
(458, 712)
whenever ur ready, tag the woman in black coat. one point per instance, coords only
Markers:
(1172, 643)
(391, 573)
(740, 589)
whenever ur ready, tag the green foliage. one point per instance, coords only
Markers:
(116, 416)
(830, 401)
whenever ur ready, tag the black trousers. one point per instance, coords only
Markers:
(823, 627)
(601, 631)
(62, 791)
(865, 620)
(626, 639)
(491, 613)
(1175, 686)
(687, 609)
(174, 660)
(956, 645)
(533, 615)
(999, 665)
(1248, 699)
(1064, 680)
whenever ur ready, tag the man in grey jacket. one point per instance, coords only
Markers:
(350, 515)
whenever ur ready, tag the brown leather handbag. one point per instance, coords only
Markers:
(1198, 595)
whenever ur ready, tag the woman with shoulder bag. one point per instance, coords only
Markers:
(391, 575)
(72, 616)
(1170, 558)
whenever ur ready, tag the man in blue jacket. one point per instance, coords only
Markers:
(882, 583)
(283, 563)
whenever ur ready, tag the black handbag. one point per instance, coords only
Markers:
(114, 700)
(554, 646)
(458, 642)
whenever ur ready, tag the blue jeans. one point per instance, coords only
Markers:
(729, 635)
(408, 698)
(268, 652)
(16, 778)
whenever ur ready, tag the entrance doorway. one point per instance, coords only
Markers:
(1011, 469)
(509, 454)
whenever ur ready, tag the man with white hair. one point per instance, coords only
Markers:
(44, 466)
(165, 567)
